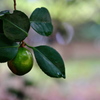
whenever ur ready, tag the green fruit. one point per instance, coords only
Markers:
(22, 63)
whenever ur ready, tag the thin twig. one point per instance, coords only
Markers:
(14, 4)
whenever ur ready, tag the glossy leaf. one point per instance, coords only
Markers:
(8, 49)
(41, 21)
(16, 26)
(49, 61)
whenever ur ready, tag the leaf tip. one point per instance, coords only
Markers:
(64, 76)
(61, 75)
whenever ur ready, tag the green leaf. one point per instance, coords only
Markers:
(1, 26)
(41, 21)
(49, 61)
(4, 12)
(8, 49)
(16, 26)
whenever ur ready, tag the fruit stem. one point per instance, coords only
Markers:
(25, 44)
(22, 44)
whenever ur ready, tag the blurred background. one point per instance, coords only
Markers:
(76, 37)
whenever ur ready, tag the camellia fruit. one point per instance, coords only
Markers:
(22, 63)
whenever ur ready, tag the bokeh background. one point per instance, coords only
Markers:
(76, 37)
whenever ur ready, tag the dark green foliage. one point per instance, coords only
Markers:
(14, 28)
(16, 25)
(4, 12)
(1, 26)
(8, 49)
(49, 61)
(41, 21)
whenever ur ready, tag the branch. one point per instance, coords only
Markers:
(14, 4)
